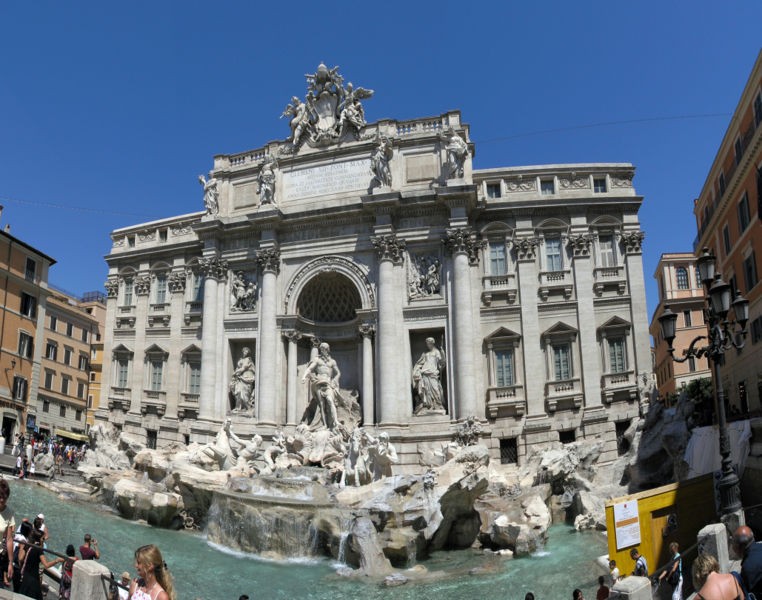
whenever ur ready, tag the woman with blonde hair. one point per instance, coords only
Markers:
(154, 581)
(711, 584)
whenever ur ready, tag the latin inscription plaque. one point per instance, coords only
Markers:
(347, 176)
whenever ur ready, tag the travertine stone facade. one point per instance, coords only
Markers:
(528, 279)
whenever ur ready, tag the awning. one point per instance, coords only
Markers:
(81, 437)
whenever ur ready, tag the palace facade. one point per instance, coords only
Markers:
(377, 238)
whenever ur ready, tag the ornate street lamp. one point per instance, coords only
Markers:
(722, 335)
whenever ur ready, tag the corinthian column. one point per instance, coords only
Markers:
(366, 332)
(269, 261)
(390, 253)
(464, 247)
(214, 270)
(293, 337)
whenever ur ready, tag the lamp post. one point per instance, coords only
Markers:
(722, 335)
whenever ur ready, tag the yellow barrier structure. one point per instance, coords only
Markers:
(654, 518)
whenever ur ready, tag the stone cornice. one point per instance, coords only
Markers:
(214, 268)
(463, 239)
(269, 259)
(389, 247)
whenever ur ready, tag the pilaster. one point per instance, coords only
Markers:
(269, 261)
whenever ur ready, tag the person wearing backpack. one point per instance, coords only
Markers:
(674, 572)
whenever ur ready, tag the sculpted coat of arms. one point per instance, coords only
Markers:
(330, 111)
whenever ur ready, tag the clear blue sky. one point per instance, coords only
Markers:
(109, 111)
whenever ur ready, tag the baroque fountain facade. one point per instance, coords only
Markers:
(355, 297)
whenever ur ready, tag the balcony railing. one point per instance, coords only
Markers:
(499, 286)
(563, 394)
(506, 401)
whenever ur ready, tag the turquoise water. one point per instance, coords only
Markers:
(202, 570)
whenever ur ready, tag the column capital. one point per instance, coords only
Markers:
(213, 268)
(526, 248)
(633, 242)
(366, 330)
(112, 287)
(292, 335)
(463, 239)
(269, 259)
(389, 247)
(142, 285)
(176, 282)
(579, 244)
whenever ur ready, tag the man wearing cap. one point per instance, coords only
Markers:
(89, 550)
(44, 529)
(751, 559)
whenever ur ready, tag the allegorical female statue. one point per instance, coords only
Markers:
(427, 381)
(242, 382)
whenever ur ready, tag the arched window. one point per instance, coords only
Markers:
(681, 273)
(329, 298)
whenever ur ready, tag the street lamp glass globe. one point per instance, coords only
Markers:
(706, 265)
(719, 296)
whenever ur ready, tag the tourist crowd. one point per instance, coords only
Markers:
(27, 450)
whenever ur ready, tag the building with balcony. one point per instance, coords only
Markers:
(681, 289)
(71, 327)
(24, 290)
(729, 218)
(517, 293)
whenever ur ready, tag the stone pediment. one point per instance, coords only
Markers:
(502, 333)
(560, 329)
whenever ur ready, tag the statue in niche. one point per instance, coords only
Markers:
(300, 119)
(424, 277)
(381, 456)
(427, 371)
(266, 181)
(351, 112)
(379, 163)
(243, 294)
(242, 383)
(210, 194)
(457, 152)
(323, 374)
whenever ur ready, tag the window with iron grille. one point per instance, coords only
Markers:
(509, 451)
(681, 274)
(567, 436)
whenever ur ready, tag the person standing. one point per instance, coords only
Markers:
(603, 590)
(641, 566)
(30, 558)
(67, 571)
(614, 573)
(7, 526)
(751, 560)
(154, 581)
(89, 550)
(43, 527)
(674, 572)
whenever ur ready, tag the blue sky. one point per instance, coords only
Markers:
(109, 111)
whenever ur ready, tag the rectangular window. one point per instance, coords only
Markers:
(721, 183)
(750, 271)
(51, 351)
(562, 362)
(151, 439)
(69, 329)
(599, 185)
(19, 388)
(81, 390)
(84, 335)
(497, 264)
(65, 384)
(622, 444)
(161, 289)
(78, 415)
(198, 287)
(62, 410)
(82, 362)
(49, 379)
(31, 269)
(194, 379)
(131, 241)
(157, 366)
(733, 286)
(726, 239)
(744, 216)
(687, 318)
(128, 291)
(738, 149)
(493, 190)
(122, 368)
(26, 345)
(567, 436)
(756, 330)
(53, 322)
(547, 187)
(67, 355)
(606, 245)
(504, 368)
(28, 305)
(92, 376)
(553, 254)
(509, 451)
(162, 235)
(617, 357)
(46, 406)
